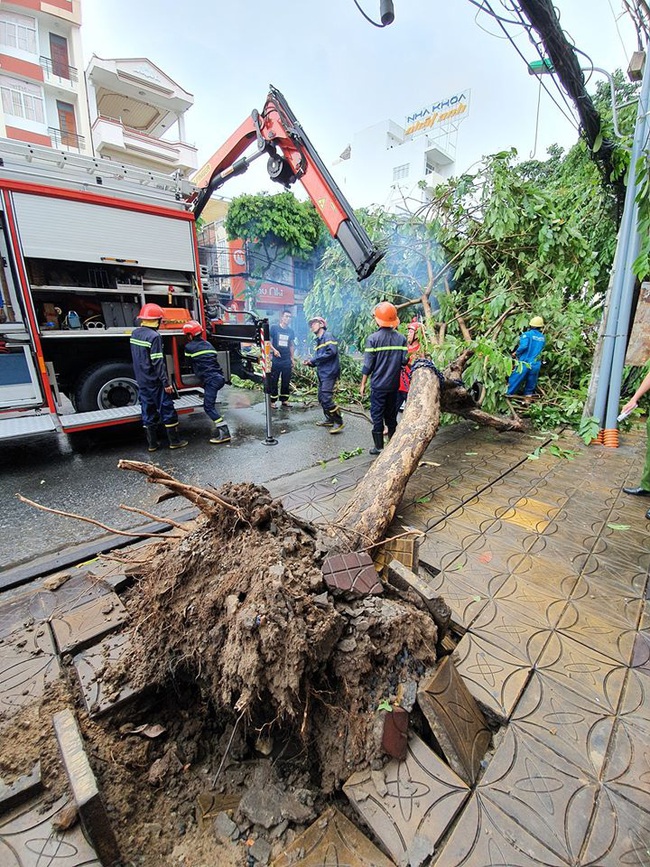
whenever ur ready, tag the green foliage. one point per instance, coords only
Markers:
(279, 222)
(588, 429)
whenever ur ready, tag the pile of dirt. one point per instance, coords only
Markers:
(238, 607)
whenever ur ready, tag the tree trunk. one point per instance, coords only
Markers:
(363, 521)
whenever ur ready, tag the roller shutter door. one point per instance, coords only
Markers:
(52, 228)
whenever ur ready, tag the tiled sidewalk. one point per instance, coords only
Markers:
(544, 564)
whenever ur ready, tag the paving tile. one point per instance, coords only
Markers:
(542, 791)
(21, 789)
(627, 772)
(455, 720)
(90, 666)
(469, 596)
(620, 833)
(419, 799)
(28, 663)
(598, 595)
(332, 839)
(85, 624)
(494, 677)
(27, 838)
(597, 631)
(405, 549)
(486, 837)
(583, 670)
(633, 581)
(92, 811)
(354, 574)
(567, 723)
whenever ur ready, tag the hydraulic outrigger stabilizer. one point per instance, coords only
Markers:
(291, 158)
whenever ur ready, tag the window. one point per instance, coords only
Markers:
(400, 172)
(22, 100)
(18, 31)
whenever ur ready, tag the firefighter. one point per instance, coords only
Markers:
(527, 355)
(203, 358)
(153, 383)
(282, 344)
(385, 356)
(328, 369)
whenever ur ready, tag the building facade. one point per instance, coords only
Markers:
(41, 74)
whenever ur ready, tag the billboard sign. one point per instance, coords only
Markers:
(438, 114)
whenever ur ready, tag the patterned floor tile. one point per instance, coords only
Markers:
(495, 678)
(542, 791)
(514, 629)
(486, 837)
(598, 631)
(628, 767)
(419, 799)
(85, 624)
(574, 727)
(28, 663)
(467, 598)
(90, 666)
(583, 670)
(455, 720)
(332, 839)
(620, 834)
(27, 838)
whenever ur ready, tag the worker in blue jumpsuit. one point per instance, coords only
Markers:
(153, 382)
(328, 369)
(527, 355)
(385, 355)
(204, 360)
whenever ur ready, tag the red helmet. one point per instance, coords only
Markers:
(317, 319)
(192, 327)
(151, 311)
(386, 315)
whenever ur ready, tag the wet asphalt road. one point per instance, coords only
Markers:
(82, 476)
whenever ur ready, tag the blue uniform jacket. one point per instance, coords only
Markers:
(148, 357)
(531, 344)
(384, 358)
(203, 357)
(326, 356)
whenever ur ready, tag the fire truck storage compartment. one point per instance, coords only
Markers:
(94, 265)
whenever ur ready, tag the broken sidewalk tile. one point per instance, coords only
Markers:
(92, 812)
(210, 804)
(354, 574)
(422, 799)
(405, 549)
(28, 664)
(403, 578)
(394, 740)
(494, 677)
(332, 839)
(28, 838)
(82, 625)
(91, 665)
(455, 720)
(21, 789)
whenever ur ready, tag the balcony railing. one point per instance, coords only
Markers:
(59, 70)
(61, 138)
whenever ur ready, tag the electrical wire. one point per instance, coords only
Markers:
(618, 30)
(374, 23)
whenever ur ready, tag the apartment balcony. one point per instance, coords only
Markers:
(59, 74)
(63, 140)
(112, 139)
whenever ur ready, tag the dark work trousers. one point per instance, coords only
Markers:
(211, 386)
(280, 373)
(157, 405)
(383, 408)
(326, 387)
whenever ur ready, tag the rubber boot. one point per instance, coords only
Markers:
(327, 422)
(378, 439)
(337, 418)
(221, 433)
(175, 442)
(151, 431)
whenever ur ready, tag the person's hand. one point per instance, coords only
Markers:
(275, 352)
(308, 363)
(169, 389)
(362, 389)
(629, 406)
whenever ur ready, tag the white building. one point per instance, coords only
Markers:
(137, 115)
(397, 167)
(43, 89)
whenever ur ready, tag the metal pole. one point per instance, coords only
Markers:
(628, 278)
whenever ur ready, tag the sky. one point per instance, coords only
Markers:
(340, 74)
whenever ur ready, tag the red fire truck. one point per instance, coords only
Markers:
(85, 242)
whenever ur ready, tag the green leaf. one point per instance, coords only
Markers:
(619, 526)
(384, 704)
(426, 499)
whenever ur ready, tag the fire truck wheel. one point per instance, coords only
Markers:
(107, 385)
